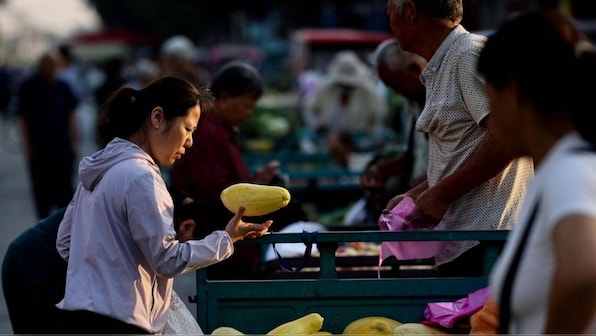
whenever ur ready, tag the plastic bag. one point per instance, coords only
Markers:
(446, 314)
(180, 320)
(402, 218)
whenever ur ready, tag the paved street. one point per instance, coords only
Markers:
(18, 214)
(16, 205)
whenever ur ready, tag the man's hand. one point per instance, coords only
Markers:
(393, 202)
(431, 206)
(372, 179)
(267, 173)
(414, 193)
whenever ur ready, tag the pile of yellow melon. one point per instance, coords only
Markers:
(312, 323)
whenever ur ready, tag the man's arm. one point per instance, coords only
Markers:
(413, 193)
(485, 163)
(25, 137)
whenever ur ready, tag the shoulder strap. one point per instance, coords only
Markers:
(505, 302)
(590, 148)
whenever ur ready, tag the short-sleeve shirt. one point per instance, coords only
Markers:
(455, 106)
(558, 194)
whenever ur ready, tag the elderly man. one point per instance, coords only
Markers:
(472, 184)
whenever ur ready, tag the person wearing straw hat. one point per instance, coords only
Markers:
(345, 104)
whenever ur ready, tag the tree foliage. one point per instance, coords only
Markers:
(161, 18)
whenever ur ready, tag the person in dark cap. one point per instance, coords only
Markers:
(215, 162)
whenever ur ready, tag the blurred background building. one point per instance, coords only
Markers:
(104, 28)
(130, 42)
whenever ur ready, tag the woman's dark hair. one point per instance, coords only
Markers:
(546, 54)
(237, 78)
(208, 215)
(125, 111)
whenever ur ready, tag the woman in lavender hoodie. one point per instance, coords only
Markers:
(117, 233)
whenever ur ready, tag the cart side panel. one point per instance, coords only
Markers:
(257, 306)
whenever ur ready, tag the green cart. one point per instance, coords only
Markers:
(257, 306)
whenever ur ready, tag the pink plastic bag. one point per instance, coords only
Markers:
(403, 217)
(446, 314)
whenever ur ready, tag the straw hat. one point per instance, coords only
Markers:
(346, 68)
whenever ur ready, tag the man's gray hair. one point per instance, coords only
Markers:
(382, 49)
(439, 9)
